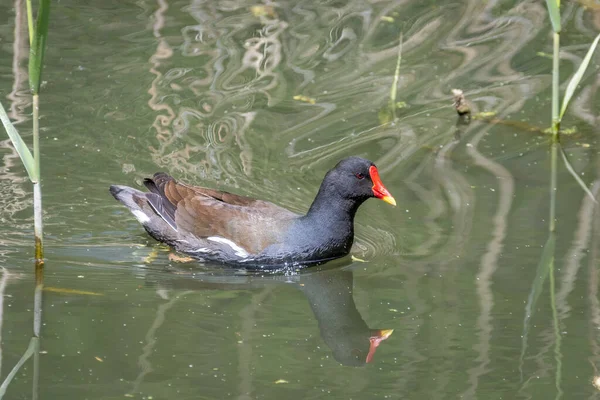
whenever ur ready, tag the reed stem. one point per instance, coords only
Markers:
(37, 190)
(553, 184)
(30, 22)
(37, 325)
(557, 336)
(555, 132)
(555, 83)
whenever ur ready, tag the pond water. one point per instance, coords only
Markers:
(262, 100)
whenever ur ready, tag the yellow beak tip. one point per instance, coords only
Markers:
(389, 200)
(387, 333)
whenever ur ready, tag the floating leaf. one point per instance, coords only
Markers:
(543, 54)
(152, 256)
(578, 76)
(485, 115)
(179, 259)
(568, 131)
(70, 291)
(305, 99)
(263, 11)
(19, 144)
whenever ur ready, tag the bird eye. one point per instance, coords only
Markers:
(359, 175)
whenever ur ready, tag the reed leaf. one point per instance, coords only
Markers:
(578, 76)
(575, 175)
(544, 266)
(20, 145)
(38, 46)
(33, 346)
(554, 11)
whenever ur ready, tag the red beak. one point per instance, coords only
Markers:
(375, 340)
(378, 189)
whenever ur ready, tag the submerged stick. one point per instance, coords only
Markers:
(387, 113)
(394, 89)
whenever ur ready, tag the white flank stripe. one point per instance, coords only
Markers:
(238, 250)
(143, 218)
(201, 250)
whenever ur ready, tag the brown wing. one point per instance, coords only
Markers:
(250, 223)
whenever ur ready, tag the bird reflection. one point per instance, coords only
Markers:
(329, 293)
(343, 329)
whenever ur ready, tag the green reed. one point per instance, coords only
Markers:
(37, 40)
(38, 35)
(546, 264)
(558, 109)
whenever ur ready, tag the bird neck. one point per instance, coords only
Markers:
(330, 205)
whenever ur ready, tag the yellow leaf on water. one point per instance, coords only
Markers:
(485, 114)
(545, 55)
(277, 382)
(99, 359)
(180, 259)
(305, 99)
(263, 11)
(70, 291)
(152, 256)
(357, 259)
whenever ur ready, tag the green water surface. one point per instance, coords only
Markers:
(208, 91)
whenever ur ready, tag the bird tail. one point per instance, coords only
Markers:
(142, 206)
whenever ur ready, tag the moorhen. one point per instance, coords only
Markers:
(217, 226)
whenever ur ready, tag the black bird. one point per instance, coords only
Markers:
(218, 226)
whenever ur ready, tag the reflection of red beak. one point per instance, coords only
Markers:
(378, 337)
(379, 190)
